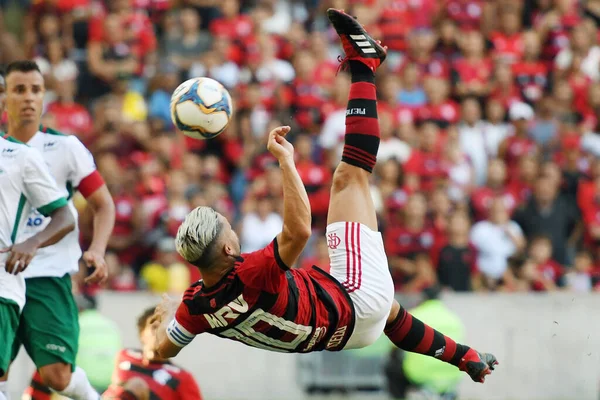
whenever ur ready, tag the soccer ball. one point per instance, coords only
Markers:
(201, 108)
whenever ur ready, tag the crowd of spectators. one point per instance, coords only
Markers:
(487, 175)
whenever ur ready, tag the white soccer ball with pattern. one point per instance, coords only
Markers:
(201, 108)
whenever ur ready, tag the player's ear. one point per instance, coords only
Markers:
(228, 250)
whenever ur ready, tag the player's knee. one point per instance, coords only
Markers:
(138, 387)
(347, 175)
(56, 376)
(393, 312)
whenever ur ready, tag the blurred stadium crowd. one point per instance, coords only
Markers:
(487, 176)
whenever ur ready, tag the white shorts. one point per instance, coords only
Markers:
(359, 263)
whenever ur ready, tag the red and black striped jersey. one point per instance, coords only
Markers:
(262, 303)
(165, 380)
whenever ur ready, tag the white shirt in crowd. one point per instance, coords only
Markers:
(258, 233)
(494, 246)
(26, 183)
(589, 65)
(590, 142)
(227, 73)
(472, 142)
(461, 178)
(493, 135)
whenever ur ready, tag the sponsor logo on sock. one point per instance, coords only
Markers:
(356, 111)
(439, 352)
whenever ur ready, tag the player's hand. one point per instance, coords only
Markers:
(20, 255)
(165, 310)
(95, 259)
(278, 144)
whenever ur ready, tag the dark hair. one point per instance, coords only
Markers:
(143, 319)
(541, 237)
(22, 66)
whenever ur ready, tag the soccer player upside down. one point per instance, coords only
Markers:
(258, 300)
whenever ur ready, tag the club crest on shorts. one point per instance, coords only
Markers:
(333, 241)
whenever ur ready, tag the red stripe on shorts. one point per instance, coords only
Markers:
(347, 281)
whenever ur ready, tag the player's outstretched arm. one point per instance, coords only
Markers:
(296, 207)
(21, 254)
(163, 315)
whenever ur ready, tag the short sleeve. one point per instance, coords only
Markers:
(81, 161)
(263, 269)
(40, 187)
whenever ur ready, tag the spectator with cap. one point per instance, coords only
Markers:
(519, 143)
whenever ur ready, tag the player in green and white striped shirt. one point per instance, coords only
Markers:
(25, 182)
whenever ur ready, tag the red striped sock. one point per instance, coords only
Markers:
(37, 390)
(361, 141)
(410, 334)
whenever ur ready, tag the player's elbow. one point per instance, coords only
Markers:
(298, 234)
(65, 218)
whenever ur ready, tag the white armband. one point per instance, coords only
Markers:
(178, 335)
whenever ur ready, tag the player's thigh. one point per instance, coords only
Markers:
(9, 322)
(358, 261)
(49, 327)
(351, 197)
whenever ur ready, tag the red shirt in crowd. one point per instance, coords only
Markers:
(467, 71)
(444, 114)
(399, 17)
(506, 97)
(515, 148)
(507, 48)
(466, 13)
(71, 118)
(551, 270)
(307, 100)
(531, 78)
(234, 29)
(138, 23)
(402, 242)
(428, 166)
(521, 190)
(481, 200)
(558, 37)
(316, 179)
(432, 66)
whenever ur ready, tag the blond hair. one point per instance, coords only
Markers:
(199, 229)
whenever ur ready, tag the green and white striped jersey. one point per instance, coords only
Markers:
(25, 183)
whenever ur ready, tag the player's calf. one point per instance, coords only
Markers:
(410, 334)
(56, 376)
(74, 385)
